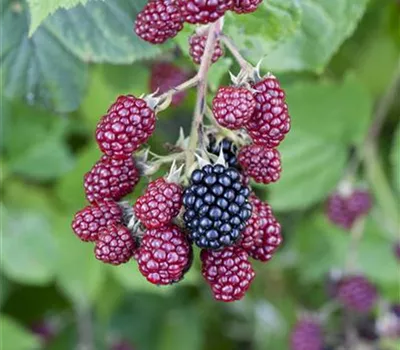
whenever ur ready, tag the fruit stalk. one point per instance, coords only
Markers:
(213, 35)
(246, 66)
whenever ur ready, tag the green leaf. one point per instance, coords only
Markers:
(178, 333)
(395, 158)
(102, 31)
(79, 275)
(325, 24)
(326, 119)
(14, 336)
(312, 166)
(38, 69)
(29, 251)
(259, 33)
(40, 10)
(69, 188)
(34, 143)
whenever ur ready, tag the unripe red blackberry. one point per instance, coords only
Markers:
(88, 222)
(203, 11)
(128, 124)
(357, 293)
(115, 245)
(233, 107)
(160, 203)
(165, 76)
(111, 179)
(270, 228)
(159, 21)
(164, 255)
(261, 163)
(344, 209)
(270, 122)
(306, 335)
(252, 234)
(197, 45)
(228, 272)
(245, 6)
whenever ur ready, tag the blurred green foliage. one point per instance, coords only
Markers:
(336, 60)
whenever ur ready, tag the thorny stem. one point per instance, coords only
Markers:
(213, 34)
(182, 87)
(246, 66)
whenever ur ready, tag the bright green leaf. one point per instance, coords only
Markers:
(258, 34)
(312, 166)
(14, 336)
(41, 9)
(325, 24)
(29, 251)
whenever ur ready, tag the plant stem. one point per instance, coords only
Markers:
(182, 87)
(374, 168)
(213, 35)
(235, 52)
(85, 328)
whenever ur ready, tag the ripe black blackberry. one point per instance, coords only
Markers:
(216, 206)
(229, 149)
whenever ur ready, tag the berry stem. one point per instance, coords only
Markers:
(182, 87)
(357, 233)
(213, 35)
(373, 164)
(85, 327)
(246, 66)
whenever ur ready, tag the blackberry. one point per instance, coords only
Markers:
(165, 76)
(357, 293)
(229, 149)
(203, 11)
(228, 272)
(159, 21)
(306, 335)
(217, 206)
(246, 6)
(197, 45)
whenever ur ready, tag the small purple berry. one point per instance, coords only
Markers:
(306, 335)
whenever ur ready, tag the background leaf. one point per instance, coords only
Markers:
(307, 49)
(14, 336)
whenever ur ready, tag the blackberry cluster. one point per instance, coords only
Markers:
(216, 206)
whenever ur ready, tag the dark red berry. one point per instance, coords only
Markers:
(233, 107)
(197, 45)
(270, 228)
(252, 234)
(128, 124)
(115, 245)
(88, 222)
(164, 255)
(306, 335)
(160, 203)
(270, 122)
(111, 179)
(245, 6)
(261, 163)
(344, 209)
(357, 293)
(204, 11)
(165, 76)
(228, 272)
(159, 21)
